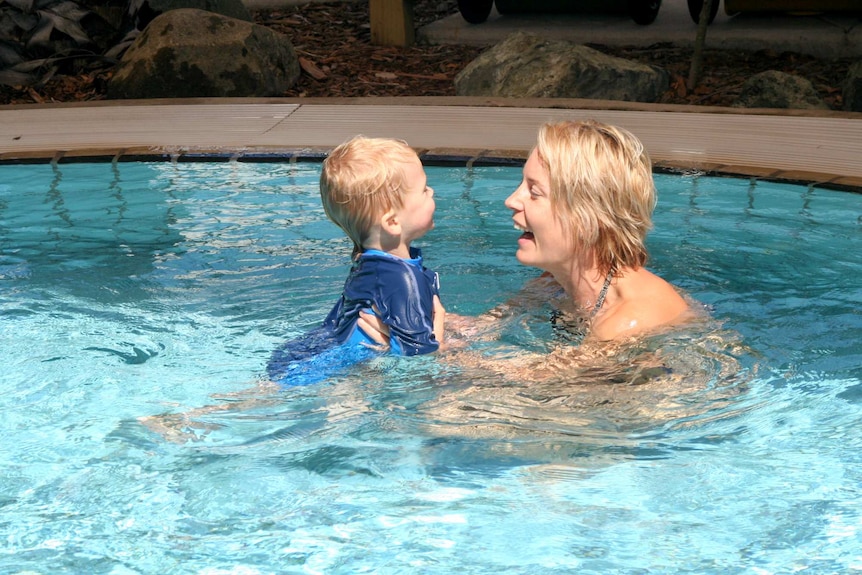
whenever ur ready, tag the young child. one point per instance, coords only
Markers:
(374, 189)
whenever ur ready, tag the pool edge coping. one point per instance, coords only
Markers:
(108, 148)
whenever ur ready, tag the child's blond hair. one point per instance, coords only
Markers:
(361, 180)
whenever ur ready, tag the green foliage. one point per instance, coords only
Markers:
(41, 38)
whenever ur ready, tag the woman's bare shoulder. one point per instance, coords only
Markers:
(648, 303)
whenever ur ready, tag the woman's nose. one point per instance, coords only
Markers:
(512, 202)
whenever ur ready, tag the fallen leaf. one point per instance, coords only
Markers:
(35, 95)
(310, 69)
(678, 87)
(438, 76)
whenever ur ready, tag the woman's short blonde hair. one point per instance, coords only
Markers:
(361, 180)
(601, 188)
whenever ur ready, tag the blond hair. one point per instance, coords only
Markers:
(361, 180)
(601, 189)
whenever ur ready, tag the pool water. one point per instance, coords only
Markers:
(159, 289)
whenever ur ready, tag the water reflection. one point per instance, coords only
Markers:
(81, 227)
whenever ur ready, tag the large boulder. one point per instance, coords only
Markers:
(526, 66)
(774, 89)
(194, 53)
(852, 89)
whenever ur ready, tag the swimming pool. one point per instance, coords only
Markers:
(130, 290)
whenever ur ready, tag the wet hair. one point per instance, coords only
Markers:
(602, 189)
(361, 180)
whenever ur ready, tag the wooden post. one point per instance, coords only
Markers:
(392, 22)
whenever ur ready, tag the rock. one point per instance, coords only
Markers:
(525, 66)
(852, 89)
(191, 53)
(774, 89)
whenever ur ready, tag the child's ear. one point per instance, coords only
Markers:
(390, 223)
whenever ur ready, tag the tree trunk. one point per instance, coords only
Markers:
(695, 71)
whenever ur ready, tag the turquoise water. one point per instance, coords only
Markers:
(146, 289)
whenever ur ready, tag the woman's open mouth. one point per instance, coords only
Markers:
(527, 235)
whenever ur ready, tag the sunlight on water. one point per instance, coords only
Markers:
(159, 290)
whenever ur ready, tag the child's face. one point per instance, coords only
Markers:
(417, 212)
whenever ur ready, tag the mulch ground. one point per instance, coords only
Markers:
(333, 41)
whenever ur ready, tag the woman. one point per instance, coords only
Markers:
(585, 206)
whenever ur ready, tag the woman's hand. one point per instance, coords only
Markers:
(439, 320)
(371, 326)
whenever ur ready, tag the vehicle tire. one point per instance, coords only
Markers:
(644, 11)
(475, 11)
(694, 7)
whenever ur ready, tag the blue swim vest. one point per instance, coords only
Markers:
(399, 291)
(317, 356)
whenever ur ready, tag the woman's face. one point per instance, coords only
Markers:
(544, 243)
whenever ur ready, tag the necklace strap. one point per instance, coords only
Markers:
(602, 294)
